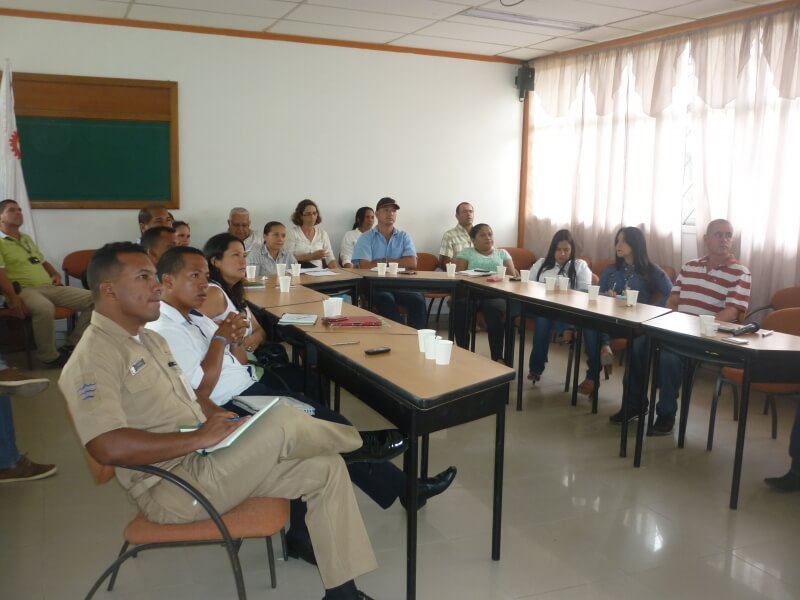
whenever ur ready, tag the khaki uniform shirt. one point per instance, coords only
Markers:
(114, 381)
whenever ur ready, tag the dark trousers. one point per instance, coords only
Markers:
(383, 482)
(386, 304)
(794, 442)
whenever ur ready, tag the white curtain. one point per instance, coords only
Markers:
(618, 136)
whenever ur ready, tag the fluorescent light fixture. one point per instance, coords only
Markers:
(497, 15)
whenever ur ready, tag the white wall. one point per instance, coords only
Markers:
(265, 124)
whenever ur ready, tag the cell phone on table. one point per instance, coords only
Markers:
(378, 350)
(517, 278)
(406, 272)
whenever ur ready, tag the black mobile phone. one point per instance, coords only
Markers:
(407, 272)
(378, 350)
(749, 328)
(517, 278)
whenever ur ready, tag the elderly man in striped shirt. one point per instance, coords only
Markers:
(716, 284)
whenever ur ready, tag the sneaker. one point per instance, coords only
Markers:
(26, 470)
(662, 426)
(618, 417)
(534, 377)
(59, 362)
(16, 382)
(586, 387)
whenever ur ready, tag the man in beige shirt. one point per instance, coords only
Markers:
(127, 397)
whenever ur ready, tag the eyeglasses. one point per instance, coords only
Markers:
(310, 214)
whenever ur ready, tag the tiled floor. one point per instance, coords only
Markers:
(578, 521)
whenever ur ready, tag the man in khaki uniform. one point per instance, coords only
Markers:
(127, 397)
(40, 287)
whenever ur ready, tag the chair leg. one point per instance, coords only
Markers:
(439, 310)
(27, 333)
(116, 568)
(271, 562)
(570, 357)
(283, 544)
(735, 389)
(430, 306)
(766, 405)
(771, 403)
(713, 413)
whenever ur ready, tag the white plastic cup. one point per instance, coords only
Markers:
(711, 330)
(451, 269)
(549, 284)
(563, 283)
(706, 324)
(525, 275)
(393, 267)
(500, 271)
(332, 307)
(594, 292)
(421, 335)
(430, 346)
(444, 348)
(251, 271)
(296, 269)
(381, 269)
(285, 282)
(631, 296)
(281, 268)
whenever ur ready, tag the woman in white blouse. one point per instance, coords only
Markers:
(306, 240)
(365, 219)
(560, 260)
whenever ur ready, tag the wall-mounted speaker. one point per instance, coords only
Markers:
(524, 80)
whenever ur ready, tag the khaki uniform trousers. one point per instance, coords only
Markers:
(40, 302)
(286, 454)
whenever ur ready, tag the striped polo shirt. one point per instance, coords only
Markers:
(703, 290)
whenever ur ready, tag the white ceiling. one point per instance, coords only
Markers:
(428, 24)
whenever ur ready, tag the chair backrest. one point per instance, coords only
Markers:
(75, 265)
(599, 266)
(669, 271)
(588, 260)
(522, 257)
(786, 298)
(426, 261)
(786, 320)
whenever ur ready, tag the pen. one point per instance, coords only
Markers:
(346, 343)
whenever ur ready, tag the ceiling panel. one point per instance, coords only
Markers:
(198, 17)
(333, 32)
(448, 45)
(358, 19)
(706, 8)
(423, 9)
(651, 21)
(568, 10)
(648, 5)
(273, 9)
(561, 44)
(73, 7)
(526, 53)
(491, 35)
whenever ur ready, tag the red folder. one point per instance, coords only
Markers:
(365, 321)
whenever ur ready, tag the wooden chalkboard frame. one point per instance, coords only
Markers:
(74, 97)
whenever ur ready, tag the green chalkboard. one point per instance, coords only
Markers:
(103, 160)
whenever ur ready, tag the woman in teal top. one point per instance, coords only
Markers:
(483, 255)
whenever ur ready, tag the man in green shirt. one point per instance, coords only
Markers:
(39, 285)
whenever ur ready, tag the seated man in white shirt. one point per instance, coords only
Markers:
(239, 225)
(456, 239)
(201, 348)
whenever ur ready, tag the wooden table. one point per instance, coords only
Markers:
(342, 281)
(389, 327)
(419, 398)
(270, 295)
(772, 359)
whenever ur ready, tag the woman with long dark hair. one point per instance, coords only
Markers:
(559, 261)
(365, 219)
(632, 270)
(227, 270)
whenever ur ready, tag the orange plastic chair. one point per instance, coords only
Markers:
(522, 257)
(785, 298)
(428, 262)
(786, 320)
(253, 518)
(75, 265)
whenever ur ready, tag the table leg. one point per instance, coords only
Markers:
(521, 368)
(423, 467)
(637, 453)
(508, 356)
(686, 398)
(626, 390)
(410, 467)
(740, 433)
(576, 367)
(337, 397)
(451, 316)
(497, 504)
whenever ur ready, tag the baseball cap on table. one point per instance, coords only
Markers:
(387, 202)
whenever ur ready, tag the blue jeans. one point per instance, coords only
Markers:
(9, 455)
(593, 340)
(386, 304)
(794, 442)
(668, 372)
(541, 342)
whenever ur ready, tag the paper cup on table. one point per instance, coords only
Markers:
(500, 271)
(285, 282)
(393, 267)
(296, 269)
(251, 271)
(451, 269)
(332, 307)
(525, 276)
(281, 270)
(549, 284)
(711, 330)
(430, 346)
(706, 324)
(594, 292)
(631, 296)
(563, 283)
(381, 269)
(421, 335)
(444, 348)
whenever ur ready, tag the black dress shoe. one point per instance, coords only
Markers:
(787, 483)
(378, 446)
(432, 486)
(359, 596)
(302, 549)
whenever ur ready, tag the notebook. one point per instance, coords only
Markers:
(234, 435)
(365, 321)
(298, 319)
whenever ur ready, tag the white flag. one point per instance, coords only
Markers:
(12, 184)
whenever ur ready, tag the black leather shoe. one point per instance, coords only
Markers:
(432, 486)
(378, 446)
(302, 549)
(359, 596)
(662, 426)
(787, 483)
